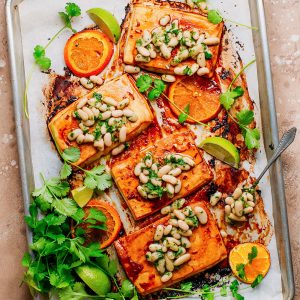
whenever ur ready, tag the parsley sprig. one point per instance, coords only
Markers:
(155, 88)
(244, 117)
(215, 17)
(39, 52)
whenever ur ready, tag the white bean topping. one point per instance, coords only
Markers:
(118, 149)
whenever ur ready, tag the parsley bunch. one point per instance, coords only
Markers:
(215, 17)
(244, 117)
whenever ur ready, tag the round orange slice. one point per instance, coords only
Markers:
(113, 223)
(88, 52)
(202, 95)
(260, 264)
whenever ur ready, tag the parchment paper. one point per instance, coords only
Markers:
(40, 21)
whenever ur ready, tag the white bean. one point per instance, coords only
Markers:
(95, 112)
(175, 234)
(103, 107)
(154, 247)
(165, 51)
(117, 113)
(227, 209)
(110, 101)
(146, 37)
(251, 203)
(182, 259)
(237, 193)
(166, 277)
(164, 170)
(133, 118)
(155, 256)
(195, 51)
(140, 58)
(202, 71)
(82, 102)
(161, 266)
(175, 172)
(99, 144)
(159, 232)
(138, 169)
(201, 60)
(212, 41)
(236, 218)
(169, 264)
(103, 129)
(171, 240)
(173, 42)
(89, 123)
(173, 222)
(170, 189)
(143, 51)
(107, 139)
(229, 200)
(123, 104)
(201, 215)
(127, 112)
(186, 233)
(74, 134)
(96, 79)
(223, 233)
(148, 160)
(177, 187)
(182, 225)
(185, 242)
(154, 167)
(170, 254)
(168, 229)
(165, 20)
(238, 207)
(180, 56)
(105, 115)
(92, 101)
(168, 78)
(249, 196)
(122, 134)
(118, 149)
(88, 138)
(165, 210)
(248, 210)
(88, 112)
(143, 178)
(188, 160)
(131, 69)
(141, 191)
(170, 179)
(156, 182)
(86, 83)
(179, 215)
(215, 198)
(195, 34)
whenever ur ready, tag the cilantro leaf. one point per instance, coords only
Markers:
(39, 51)
(144, 82)
(73, 10)
(26, 260)
(65, 171)
(252, 137)
(154, 94)
(65, 206)
(97, 215)
(71, 154)
(241, 270)
(237, 92)
(110, 266)
(227, 98)
(234, 287)
(223, 291)
(207, 294)
(159, 84)
(186, 286)
(252, 254)
(96, 178)
(245, 117)
(208, 55)
(214, 16)
(257, 281)
(127, 288)
(76, 293)
(57, 187)
(43, 62)
(183, 116)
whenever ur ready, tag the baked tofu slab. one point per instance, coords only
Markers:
(119, 88)
(127, 182)
(207, 249)
(144, 17)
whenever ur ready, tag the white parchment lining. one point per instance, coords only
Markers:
(40, 21)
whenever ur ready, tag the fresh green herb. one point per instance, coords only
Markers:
(183, 116)
(175, 161)
(223, 291)
(257, 281)
(252, 254)
(97, 96)
(207, 294)
(227, 99)
(208, 55)
(97, 178)
(144, 82)
(252, 137)
(245, 117)
(154, 189)
(39, 53)
(234, 287)
(139, 43)
(215, 17)
(187, 71)
(241, 270)
(186, 286)
(71, 154)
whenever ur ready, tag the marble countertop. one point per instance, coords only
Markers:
(284, 39)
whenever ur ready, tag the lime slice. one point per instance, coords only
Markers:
(95, 279)
(82, 195)
(106, 22)
(222, 149)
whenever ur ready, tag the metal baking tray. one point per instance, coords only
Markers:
(269, 127)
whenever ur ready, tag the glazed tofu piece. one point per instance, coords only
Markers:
(127, 182)
(207, 249)
(147, 17)
(118, 89)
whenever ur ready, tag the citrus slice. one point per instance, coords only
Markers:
(95, 279)
(88, 52)
(260, 265)
(106, 22)
(82, 195)
(113, 224)
(222, 149)
(200, 93)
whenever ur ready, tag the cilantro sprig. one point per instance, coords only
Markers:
(155, 88)
(215, 17)
(39, 52)
(244, 117)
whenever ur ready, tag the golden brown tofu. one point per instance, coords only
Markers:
(127, 182)
(147, 18)
(118, 89)
(207, 249)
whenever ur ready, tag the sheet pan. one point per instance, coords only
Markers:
(269, 125)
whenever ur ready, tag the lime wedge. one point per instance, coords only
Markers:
(82, 195)
(106, 22)
(95, 279)
(222, 149)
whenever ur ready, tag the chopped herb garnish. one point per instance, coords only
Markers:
(252, 254)
(183, 116)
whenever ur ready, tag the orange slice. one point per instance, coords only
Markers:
(88, 52)
(260, 265)
(201, 93)
(113, 224)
